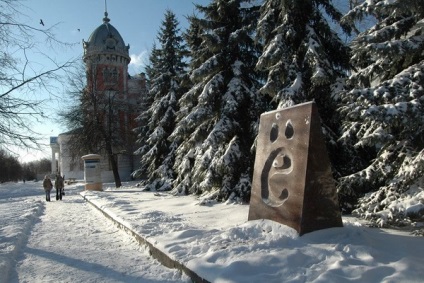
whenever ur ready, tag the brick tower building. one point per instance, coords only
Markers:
(106, 59)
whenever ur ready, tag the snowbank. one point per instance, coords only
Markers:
(218, 243)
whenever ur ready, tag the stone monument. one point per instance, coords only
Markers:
(292, 179)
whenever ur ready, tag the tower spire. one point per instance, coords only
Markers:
(106, 19)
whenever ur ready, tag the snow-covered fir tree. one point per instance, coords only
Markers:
(305, 60)
(219, 114)
(142, 130)
(184, 161)
(383, 111)
(166, 70)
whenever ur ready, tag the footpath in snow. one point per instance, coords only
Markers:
(68, 241)
(217, 243)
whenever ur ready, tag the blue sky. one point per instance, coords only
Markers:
(138, 22)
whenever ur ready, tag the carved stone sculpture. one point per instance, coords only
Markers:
(292, 180)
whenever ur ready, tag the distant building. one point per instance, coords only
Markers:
(106, 59)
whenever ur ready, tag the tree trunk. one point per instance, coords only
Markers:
(116, 176)
(114, 164)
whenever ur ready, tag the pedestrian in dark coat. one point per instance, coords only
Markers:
(47, 184)
(59, 185)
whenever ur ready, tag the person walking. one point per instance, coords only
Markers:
(58, 184)
(47, 184)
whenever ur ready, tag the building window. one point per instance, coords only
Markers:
(110, 75)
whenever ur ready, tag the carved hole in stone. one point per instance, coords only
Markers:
(284, 194)
(289, 130)
(273, 135)
(281, 162)
(278, 116)
(274, 177)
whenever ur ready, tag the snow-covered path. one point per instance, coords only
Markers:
(73, 242)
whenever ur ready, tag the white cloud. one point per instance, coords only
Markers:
(138, 62)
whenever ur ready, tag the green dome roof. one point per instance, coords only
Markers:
(105, 38)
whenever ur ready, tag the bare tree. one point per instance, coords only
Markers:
(95, 121)
(72, 116)
(21, 79)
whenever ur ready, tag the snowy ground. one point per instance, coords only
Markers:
(70, 241)
(67, 241)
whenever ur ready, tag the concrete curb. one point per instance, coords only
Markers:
(159, 255)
